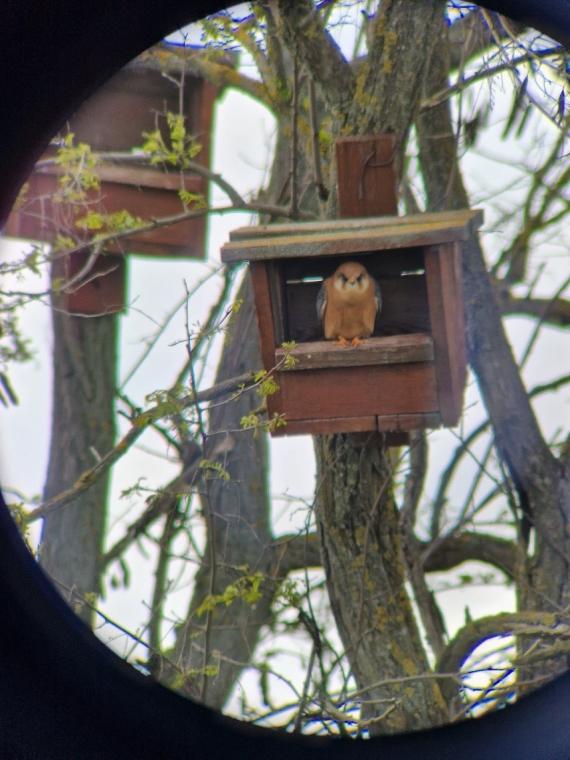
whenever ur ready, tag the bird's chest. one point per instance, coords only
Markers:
(345, 318)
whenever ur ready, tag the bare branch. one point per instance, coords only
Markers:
(451, 552)
(140, 423)
(475, 633)
(296, 552)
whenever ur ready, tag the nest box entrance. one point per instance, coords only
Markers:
(410, 374)
(112, 122)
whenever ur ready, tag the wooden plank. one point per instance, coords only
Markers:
(366, 175)
(388, 239)
(37, 218)
(462, 217)
(327, 425)
(447, 319)
(277, 296)
(264, 312)
(359, 391)
(407, 422)
(378, 264)
(396, 349)
(104, 291)
(137, 176)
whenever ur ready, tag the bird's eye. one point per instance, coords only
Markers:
(359, 278)
(344, 278)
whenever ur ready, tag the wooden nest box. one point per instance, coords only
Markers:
(411, 373)
(112, 122)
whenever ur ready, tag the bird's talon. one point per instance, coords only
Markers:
(355, 342)
(342, 342)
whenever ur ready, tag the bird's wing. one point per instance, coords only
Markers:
(377, 297)
(321, 302)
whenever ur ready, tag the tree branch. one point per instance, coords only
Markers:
(505, 624)
(550, 311)
(447, 553)
(140, 423)
(296, 552)
(302, 29)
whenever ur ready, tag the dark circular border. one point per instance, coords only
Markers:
(63, 694)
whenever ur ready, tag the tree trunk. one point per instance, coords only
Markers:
(541, 482)
(359, 526)
(83, 427)
(239, 539)
(356, 514)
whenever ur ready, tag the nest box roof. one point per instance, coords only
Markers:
(340, 236)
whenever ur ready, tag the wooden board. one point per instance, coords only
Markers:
(390, 238)
(407, 422)
(396, 427)
(39, 218)
(104, 290)
(444, 284)
(474, 216)
(366, 175)
(327, 426)
(357, 391)
(397, 349)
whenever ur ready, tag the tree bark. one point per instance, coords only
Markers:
(237, 519)
(83, 427)
(356, 515)
(541, 481)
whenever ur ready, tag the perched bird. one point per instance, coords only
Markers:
(348, 303)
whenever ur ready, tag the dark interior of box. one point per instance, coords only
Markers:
(295, 284)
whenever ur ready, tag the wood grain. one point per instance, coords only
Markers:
(353, 225)
(448, 330)
(396, 349)
(366, 174)
(359, 391)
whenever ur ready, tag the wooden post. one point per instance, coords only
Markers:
(367, 182)
(367, 186)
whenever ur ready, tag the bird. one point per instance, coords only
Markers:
(348, 303)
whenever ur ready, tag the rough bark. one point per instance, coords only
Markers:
(356, 515)
(541, 481)
(361, 544)
(83, 427)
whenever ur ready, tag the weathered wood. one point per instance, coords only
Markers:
(137, 176)
(328, 425)
(446, 313)
(396, 349)
(264, 313)
(381, 238)
(277, 300)
(367, 178)
(407, 422)
(104, 291)
(358, 391)
(134, 101)
(354, 225)
(378, 264)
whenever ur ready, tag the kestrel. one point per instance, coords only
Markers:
(348, 303)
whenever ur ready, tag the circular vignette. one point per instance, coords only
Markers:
(62, 692)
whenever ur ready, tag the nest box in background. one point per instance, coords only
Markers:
(133, 101)
(411, 373)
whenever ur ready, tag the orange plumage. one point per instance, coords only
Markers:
(348, 303)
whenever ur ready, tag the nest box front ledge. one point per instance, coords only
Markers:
(410, 374)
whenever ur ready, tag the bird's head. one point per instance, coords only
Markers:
(351, 279)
